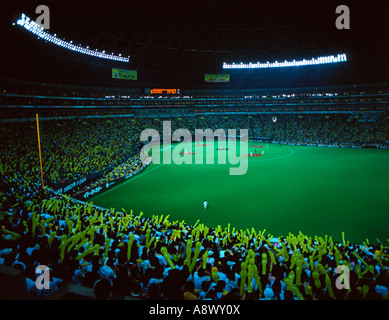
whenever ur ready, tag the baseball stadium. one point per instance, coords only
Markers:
(208, 150)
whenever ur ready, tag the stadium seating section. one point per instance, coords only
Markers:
(107, 254)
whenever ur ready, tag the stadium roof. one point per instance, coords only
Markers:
(174, 43)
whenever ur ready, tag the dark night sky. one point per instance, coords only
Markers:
(174, 43)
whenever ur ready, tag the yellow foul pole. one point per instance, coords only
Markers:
(40, 154)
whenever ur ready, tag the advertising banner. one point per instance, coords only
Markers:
(216, 77)
(124, 74)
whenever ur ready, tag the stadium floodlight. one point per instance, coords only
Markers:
(36, 29)
(294, 63)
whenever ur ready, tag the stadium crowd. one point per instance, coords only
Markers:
(121, 254)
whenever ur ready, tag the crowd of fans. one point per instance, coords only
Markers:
(130, 166)
(121, 254)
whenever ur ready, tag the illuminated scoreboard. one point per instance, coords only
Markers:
(162, 91)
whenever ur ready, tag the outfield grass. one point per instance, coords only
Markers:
(318, 191)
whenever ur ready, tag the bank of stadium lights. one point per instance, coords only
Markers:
(294, 63)
(41, 33)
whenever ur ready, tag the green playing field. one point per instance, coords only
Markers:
(318, 191)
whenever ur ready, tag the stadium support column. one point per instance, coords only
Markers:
(39, 146)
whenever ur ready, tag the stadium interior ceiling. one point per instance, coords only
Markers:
(173, 44)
